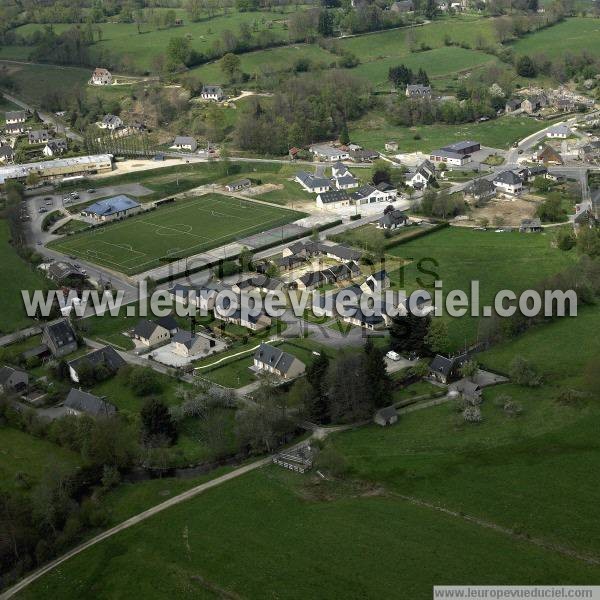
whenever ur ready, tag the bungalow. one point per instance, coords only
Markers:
(341, 253)
(189, 344)
(328, 153)
(14, 129)
(240, 184)
(270, 359)
(113, 208)
(106, 357)
(392, 219)
(386, 416)
(561, 132)
(423, 176)
(289, 262)
(402, 6)
(60, 338)
(368, 194)
(150, 333)
(334, 199)
(79, 402)
(183, 142)
(512, 105)
(7, 154)
(111, 122)
(480, 190)
(531, 226)
(549, 156)
(212, 93)
(444, 369)
(39, 136)
(310, 281)
(509, 183)
(54, 147)
(13, 380)
(312, 183)
(101, 76)
(363, 156)
(15, 116)
(376, 282)
(303, 249)
(418, 91)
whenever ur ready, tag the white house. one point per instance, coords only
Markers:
(329, 153)
(334, 199)
(508, 183)
(423, 176)
(183, 142)
(368, 194)
(212, 93)
(111, 122)
(561, 132)
(15, 116)
(101, 76)
(312, 183)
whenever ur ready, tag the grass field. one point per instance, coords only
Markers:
(573, 35)
(498, 261)
(17, 275)
(185, 228)
(31, 456)
(138, 49)
(373, 131)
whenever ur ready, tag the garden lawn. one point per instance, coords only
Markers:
(172, 232)
(286, 537)
(17, 275)
(21, 453)
(458, 256)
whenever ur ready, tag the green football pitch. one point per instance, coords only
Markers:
(182, 229)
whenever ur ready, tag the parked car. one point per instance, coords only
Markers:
(91, 191)
(393, 355)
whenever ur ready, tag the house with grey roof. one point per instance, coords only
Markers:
(508, 182)
(531, 226)
(271, 359)
(480, 190)
(376, 282)
(418, 91)
(7, 154)
(512, 105)
(55, 147)
(14, 129)
(386, 416)
(311, 183)
(80, 403)
(150, 334)
(111, 122)
(106, 356)
(13, 380)
(212, 93)
(560, 132)
(423, 177)
(117, 207)
(392, 219)
(184, 142)
(403, 6)
(61, 270)
(444, 368)
(328, 153)
(59, 337)
(341, 253)
(38, 136)
(185, 343)
(15, 116)
(334, 199)
(237, 186)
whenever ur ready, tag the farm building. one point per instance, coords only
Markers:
(329, 153)
(240, 184)
(101, 76)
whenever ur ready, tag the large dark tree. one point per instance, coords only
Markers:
(316, 375)
(408, 333)
(157, 425)
(378, 381)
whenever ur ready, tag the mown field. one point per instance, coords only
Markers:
(457, 256)
(185, 228)
(139, 49)
(374, 130)
(573, 35)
